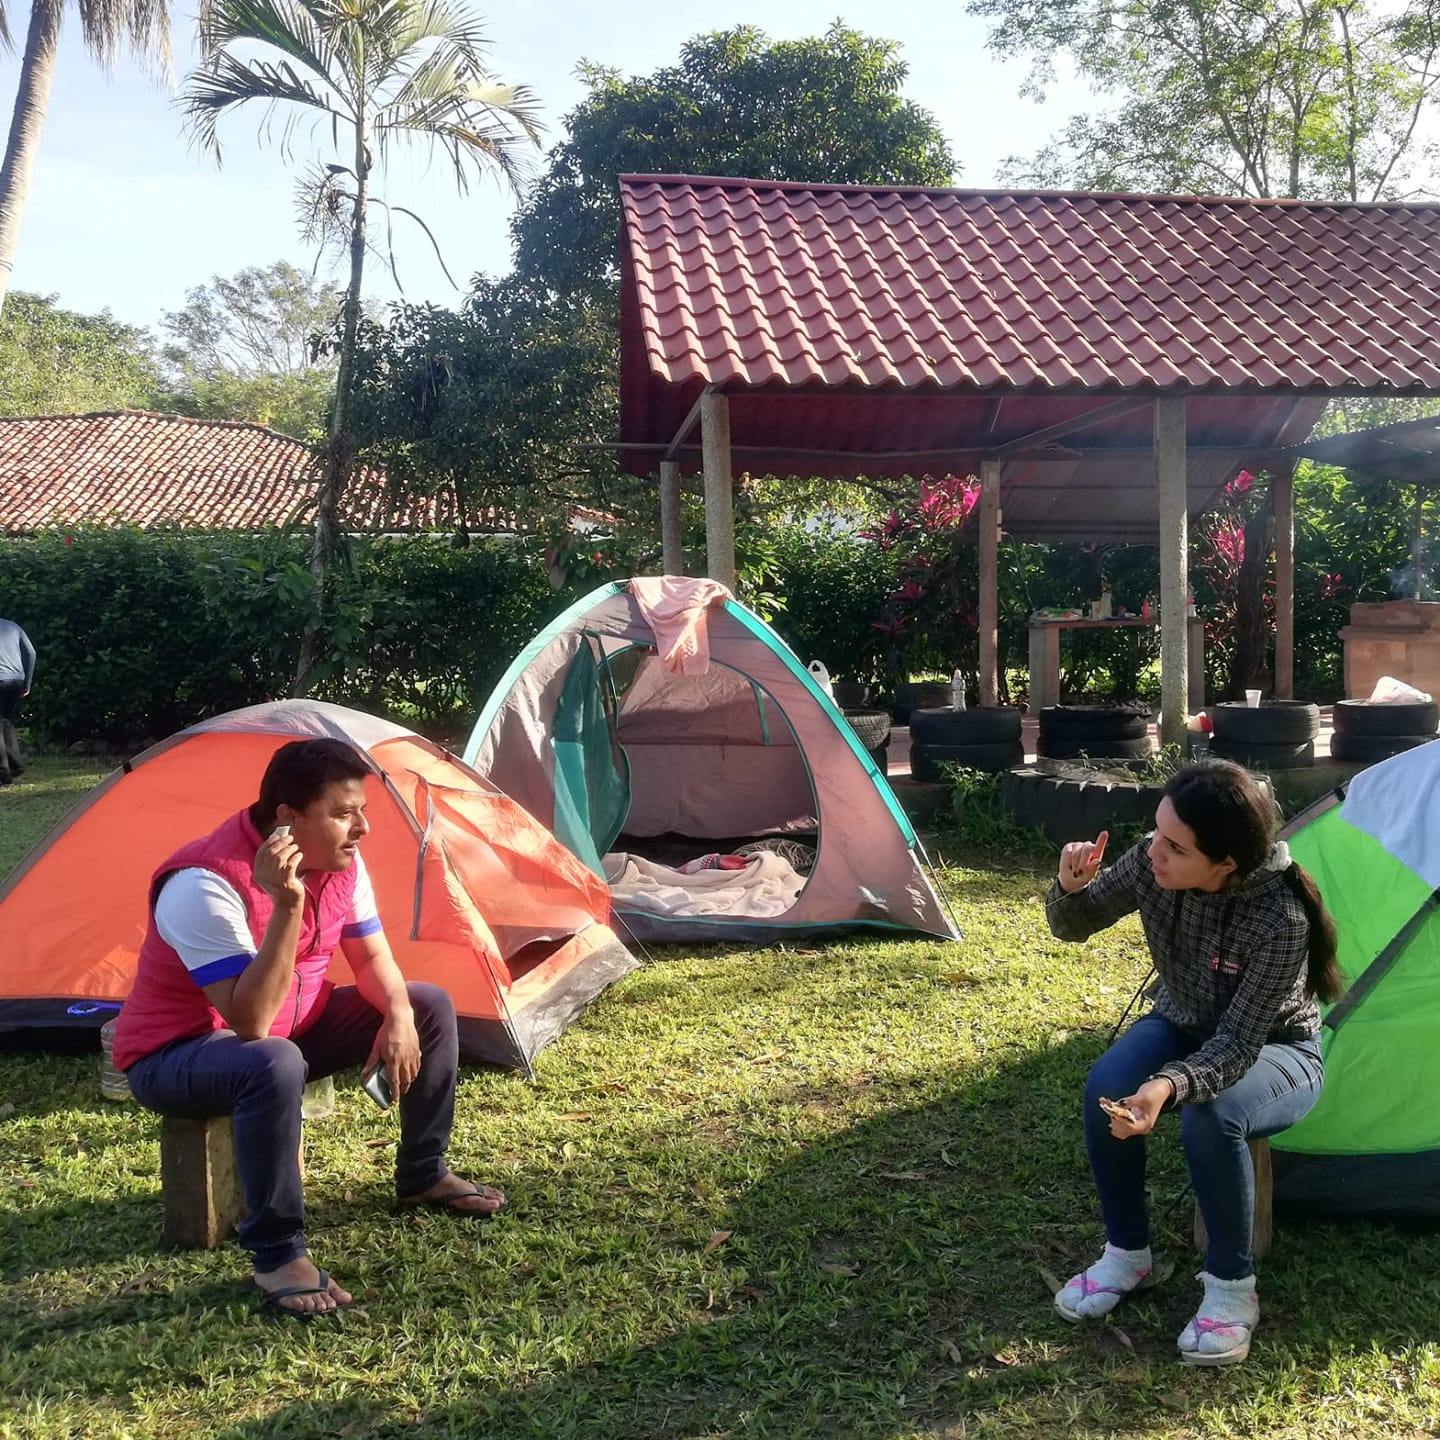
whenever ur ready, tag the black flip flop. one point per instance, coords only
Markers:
(447, 1202)
(271, 1299)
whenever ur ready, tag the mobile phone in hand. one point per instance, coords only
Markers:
(377, 1086)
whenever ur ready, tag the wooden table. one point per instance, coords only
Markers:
(1045, 655)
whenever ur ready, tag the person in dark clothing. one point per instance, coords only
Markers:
(1243, 947)
(17, 671)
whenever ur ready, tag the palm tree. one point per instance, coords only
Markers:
(373, 74)
(104, 24)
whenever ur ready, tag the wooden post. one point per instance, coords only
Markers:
(989, 582)
(1044, 666)
(1283, 497)
(672, 538)
(1262, 1229)
(719, 488)
(198, 1183)
(1174, 580)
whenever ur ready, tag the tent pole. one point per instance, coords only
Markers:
(672, 540)
(1282, 496)
(719, 488)
(1174, 586)
(989, 582)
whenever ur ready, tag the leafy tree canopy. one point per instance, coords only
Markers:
(1306, 98)
(58, 362)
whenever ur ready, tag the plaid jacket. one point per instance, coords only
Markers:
(1232, 965)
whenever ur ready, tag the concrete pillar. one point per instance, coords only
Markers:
(989, 582)
(1283, 496)
(1174, 577)
(719, 488)
(672, 537)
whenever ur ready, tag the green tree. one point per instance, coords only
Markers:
(510, 400)
(377, 74)
(823, 108)
(251, 346)
(55, 362)
(1302, 98)
(104, 25)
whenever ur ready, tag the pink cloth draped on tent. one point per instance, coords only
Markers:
(675, 607)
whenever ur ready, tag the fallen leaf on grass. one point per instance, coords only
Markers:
(960, 977)
(1052, 1281)
(380, 1143)
(847, 1272)
(947, 1159)
(903, 1175)
(1173, 1400)
(953, 1351)
(576, 1115)
(769, 1057)
(1165, 1270)
(1116, 1339)
(716, 1240)
(569, 1150)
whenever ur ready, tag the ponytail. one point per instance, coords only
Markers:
(1322, 977)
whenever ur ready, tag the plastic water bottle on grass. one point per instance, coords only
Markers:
(113, 1084)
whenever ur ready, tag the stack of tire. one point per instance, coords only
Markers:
(873, 729)
(1366, 732)
(1278, 735)
(987, 738)
(1095, 732)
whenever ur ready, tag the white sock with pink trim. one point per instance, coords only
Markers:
(1219, 1333)
(1098, 1290)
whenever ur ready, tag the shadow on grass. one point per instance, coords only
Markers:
(885, 1280)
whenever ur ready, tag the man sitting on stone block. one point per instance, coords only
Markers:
(232, 1011)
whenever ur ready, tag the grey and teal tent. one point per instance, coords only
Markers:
(611, 750)
(1371, 1145)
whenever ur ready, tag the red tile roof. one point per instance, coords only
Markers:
(132, 467)
(873, 331)
(749, 282)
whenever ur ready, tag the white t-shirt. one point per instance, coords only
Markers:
(202, 918)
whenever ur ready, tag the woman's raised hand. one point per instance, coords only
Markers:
(1080, 862)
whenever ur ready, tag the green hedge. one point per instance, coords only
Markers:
(141, 634)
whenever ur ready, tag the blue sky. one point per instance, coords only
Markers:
(126, 214)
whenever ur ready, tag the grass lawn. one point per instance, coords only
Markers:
(761, 1193)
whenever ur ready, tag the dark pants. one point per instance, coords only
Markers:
(10, 692)
(1271, 1096)
(260, 1082)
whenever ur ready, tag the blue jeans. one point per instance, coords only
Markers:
(1271, 1096)
(260, 1083)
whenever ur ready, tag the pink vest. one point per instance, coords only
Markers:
(166, 1004)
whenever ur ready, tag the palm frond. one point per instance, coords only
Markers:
(296, 28)
(225, 83)
(106, 24)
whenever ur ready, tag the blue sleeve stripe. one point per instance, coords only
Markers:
(224, 969)
(361, 928)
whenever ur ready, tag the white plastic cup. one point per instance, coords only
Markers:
(1252, 699)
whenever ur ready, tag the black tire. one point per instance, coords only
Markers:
(927, 762)
(1360, 717)
(881, 756)
(872, 726)
(920, 695)
(992, 725)
(1094, 722)
(1288, 755)
(1079, 808)
(1276, 722)
(850, 694)
(1366, 749)
(1072, 747)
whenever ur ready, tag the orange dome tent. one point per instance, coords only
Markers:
(475, 894)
